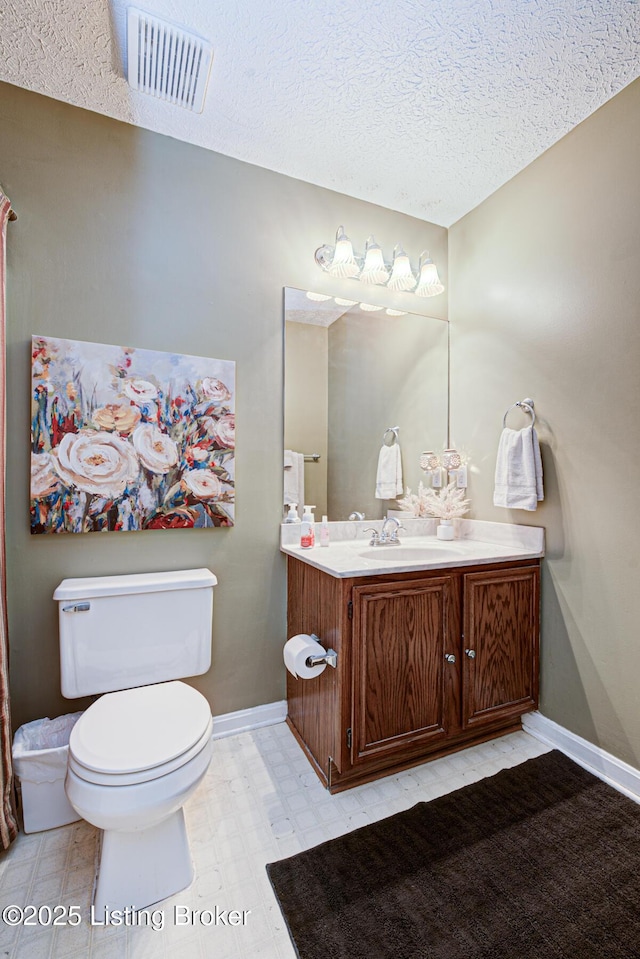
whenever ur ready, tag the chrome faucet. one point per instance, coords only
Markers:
(384, 537)
(392, 537)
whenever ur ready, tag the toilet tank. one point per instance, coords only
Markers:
(119, 632)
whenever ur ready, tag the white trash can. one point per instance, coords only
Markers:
(40, 751)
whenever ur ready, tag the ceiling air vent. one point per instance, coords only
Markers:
(167, 61)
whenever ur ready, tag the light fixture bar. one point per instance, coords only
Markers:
(341, 261)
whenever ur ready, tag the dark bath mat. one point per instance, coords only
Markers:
(541, 861)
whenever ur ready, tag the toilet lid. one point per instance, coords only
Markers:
(137, 729)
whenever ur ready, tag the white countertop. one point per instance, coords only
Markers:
(477, 542)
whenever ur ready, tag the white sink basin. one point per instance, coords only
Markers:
(413, 554)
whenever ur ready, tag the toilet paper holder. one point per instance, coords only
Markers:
(330, 657)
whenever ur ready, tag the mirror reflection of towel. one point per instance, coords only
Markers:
(518, 482)
(294, 479)
(389, 477)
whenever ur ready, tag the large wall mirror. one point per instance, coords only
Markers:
(349, 376)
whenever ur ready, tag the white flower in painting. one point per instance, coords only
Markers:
(146, 498)
(215, 390)
(99, 463)
(43, 478)
(195, 454)
(115, 416)
(139, 390)
(203, 483)
(224, 430)
(157, 451)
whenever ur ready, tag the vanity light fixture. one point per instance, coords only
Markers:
(341, 302)
(390, 312)
(370, 308)
(372, 268)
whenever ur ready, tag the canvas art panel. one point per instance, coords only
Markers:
(129, 439)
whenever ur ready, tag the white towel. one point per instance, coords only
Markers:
(389, 477)
(294, 479)
(518, 483)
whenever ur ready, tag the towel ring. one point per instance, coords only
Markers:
(527, 405)
(391, 429)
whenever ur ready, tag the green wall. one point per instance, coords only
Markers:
(545, 302)
(132, 238)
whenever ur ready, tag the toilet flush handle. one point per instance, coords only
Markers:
(77, 608)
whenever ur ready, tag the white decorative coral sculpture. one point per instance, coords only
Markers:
(447, 503)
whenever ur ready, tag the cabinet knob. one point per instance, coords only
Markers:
(450, 658)
(471, 653)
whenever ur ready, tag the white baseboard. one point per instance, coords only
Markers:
(245, 719)
(624, 778)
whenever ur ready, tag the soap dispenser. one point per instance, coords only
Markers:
(292, 515)
(324, 531)
(307, 528)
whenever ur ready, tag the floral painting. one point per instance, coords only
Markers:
(129, 439)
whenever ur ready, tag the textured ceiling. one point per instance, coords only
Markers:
(422, 106)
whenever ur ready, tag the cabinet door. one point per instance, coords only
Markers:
(405, 693)
(500, 645)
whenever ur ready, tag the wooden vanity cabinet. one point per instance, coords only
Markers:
(428, 662)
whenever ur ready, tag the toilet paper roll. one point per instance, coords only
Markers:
(296, 651)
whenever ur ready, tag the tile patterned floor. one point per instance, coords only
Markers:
(259, 802)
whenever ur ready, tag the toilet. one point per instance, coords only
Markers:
(141, 749)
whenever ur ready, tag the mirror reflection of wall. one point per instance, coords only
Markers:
(349, 375)
(306, 405)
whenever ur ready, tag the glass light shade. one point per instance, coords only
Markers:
(374, 269)
(343, 263)
(318, 297)
(429, 282)
(341, 302)
(402, 277)
(451, 459)
(391, 312)
(429, 461)
(370, 308)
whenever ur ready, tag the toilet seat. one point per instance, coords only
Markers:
(136, 735)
